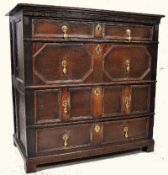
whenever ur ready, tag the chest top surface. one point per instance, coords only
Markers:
(83, 13)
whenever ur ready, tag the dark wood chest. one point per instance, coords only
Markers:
(83, 82)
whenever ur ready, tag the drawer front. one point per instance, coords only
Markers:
(125, 130)
(93, 102)
(60, 105)
(48, 28)
(88, 63)
(63, 138)
(125, 62)
(61, 63)
(113, 100)
(137, 99)
(135, 32)
(85, 135)
(47, 105)
(140, 99)
(83, 103)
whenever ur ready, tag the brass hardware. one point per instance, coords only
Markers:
(128, 32)
(126, 102)
(97, 128)
(65, 106)
(127, 63)
(98, 28)
(65, 138)
(97, 91)
(64, 30)
(64, 65)
(125, 132)
(98, 49)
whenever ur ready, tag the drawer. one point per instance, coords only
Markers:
(47, 106)
(62, 138)
(139, 99)
(50, 28)
(85, 103)
(78, 103)
(60, 105)
(125, 130)
(128, 32)
(86, 135)
(127, 62)
(76, 63)
(126, 100)
(113, 101)
(61, 63)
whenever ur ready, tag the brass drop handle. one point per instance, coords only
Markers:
(127, 102)
(65, 106)
(128, 32)
(65, 138)
(125, 132)
(97, 128)
(64, 65)
(65, 30)
(127, 63)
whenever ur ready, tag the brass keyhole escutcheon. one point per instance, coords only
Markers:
(128, 32)
(64, 65)
(127, 64)
(97, 91)
(127, 102)
(65, 106)
(98, 49)
(125, 132)
(97, 128)
(98, 28)
(65, 138)
(65, 30)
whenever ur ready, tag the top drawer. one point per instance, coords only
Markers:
(128, 32)
(50, 28)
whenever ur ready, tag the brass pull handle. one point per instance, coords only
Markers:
(97, 128)
(98, 49)
(127, 63)
(64, 65)
(126, 102)
(97, 91)
(65, 138)
(64, 30)
(125, 132)
(65, 106)
(128, 32)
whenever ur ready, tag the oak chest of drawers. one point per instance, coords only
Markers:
(83, 82)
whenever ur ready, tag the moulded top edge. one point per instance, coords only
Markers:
(48, 8)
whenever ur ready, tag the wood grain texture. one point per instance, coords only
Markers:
(118, 32)
(91, 14)
(47, 106)
(51, 139)
(43, 28)
(48, 63)
(81, 103)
